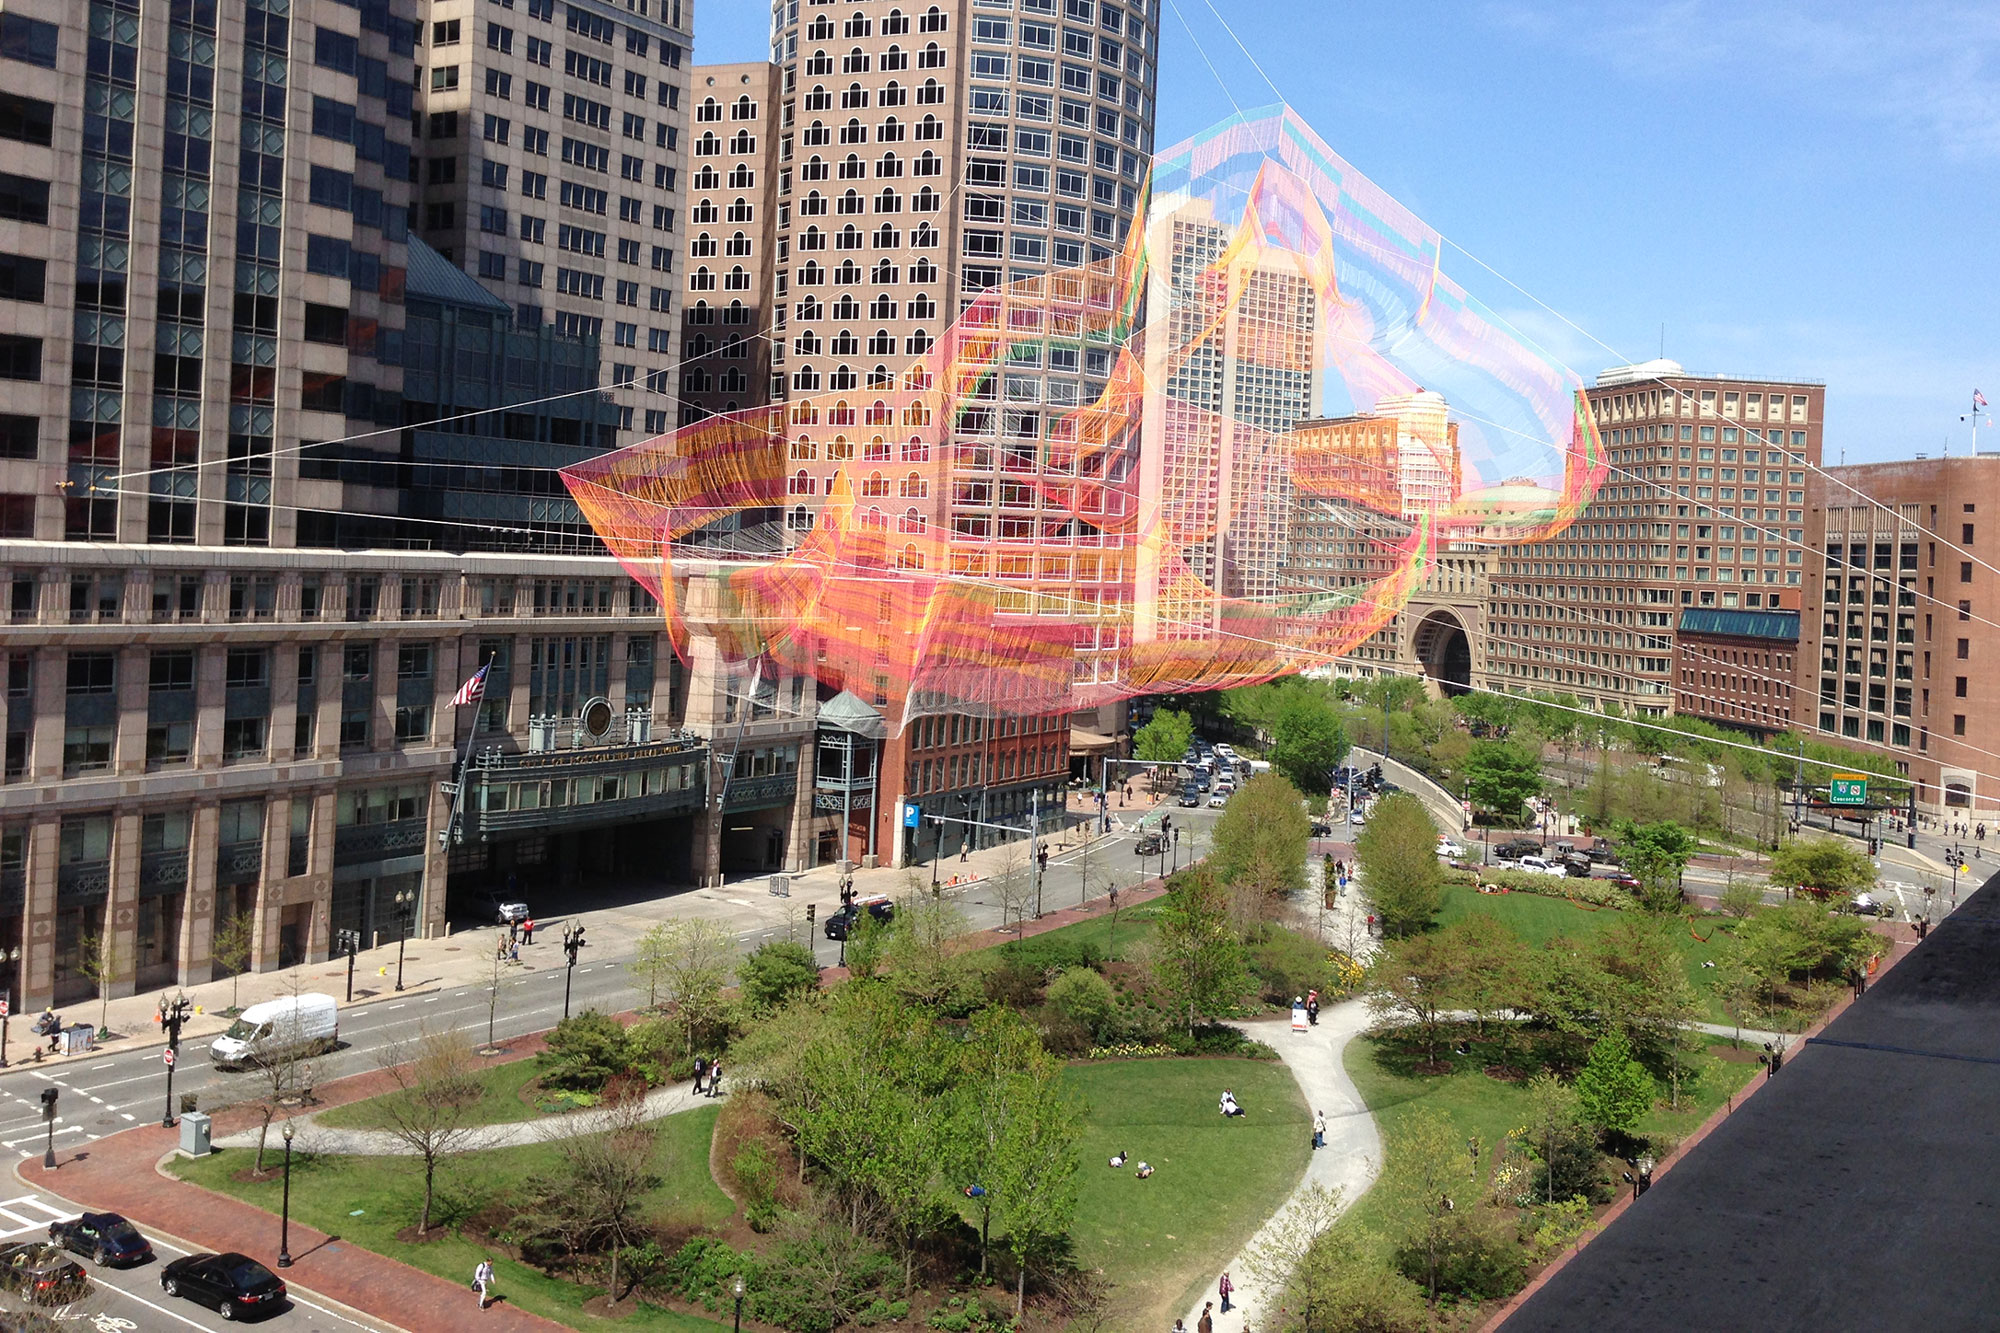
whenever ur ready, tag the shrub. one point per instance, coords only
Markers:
(1052, 954)
(775, 973)
(1475, 1260)
(1085, 998)
(1596, 892)
(1287, 964)
(969, 1314)
(656, 1046)
(584, 1053)
(1013, 983)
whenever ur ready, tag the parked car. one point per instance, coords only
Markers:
(41, 1273)
(230, 1284)
(1538, 865)
(106, 1237)
(505, 912)
(1450, 850)
(841, 924)
(1576, 865)
(292, 1023)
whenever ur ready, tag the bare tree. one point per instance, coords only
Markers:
(285, 1075)
(606, 1164)
(231, 947)
(1289, 1260)
(498, 964)
(436, 1087)
(97, 963)
(1013, 887)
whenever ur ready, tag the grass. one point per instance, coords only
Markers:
(499, 1101)
(1134, 925)
(365, 1201)
(1538, 919)
(1216, 1180)
(1487, 1109)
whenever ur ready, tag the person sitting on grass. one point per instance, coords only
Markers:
(1228, 1104)
(1119, 1159)
(1144, 1170)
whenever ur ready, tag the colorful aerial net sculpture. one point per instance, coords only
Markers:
(1297, 409)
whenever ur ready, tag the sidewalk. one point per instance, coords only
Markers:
(1349, 1162)
(122, 1174)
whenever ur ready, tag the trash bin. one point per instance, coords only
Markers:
(194, 1135)
(77, 1038)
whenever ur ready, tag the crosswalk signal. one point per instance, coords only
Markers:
(49, 1104)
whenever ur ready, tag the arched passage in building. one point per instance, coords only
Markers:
(1442, 648)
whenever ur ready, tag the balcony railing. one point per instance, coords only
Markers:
(83, 879)
(239, 862)
(163, 872)
(760, 792)
(358, 843)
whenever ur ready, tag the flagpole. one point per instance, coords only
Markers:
(450, 833)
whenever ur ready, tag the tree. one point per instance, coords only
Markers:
(1614, 1091)
(687, 963)
(1164, 739)
(1501, 775)
(1656, 854)
(285, 1076)
(776, 973)
(1084, 998)
(1487, 712)
(97, 963)
(1397, 852)
(1822, 866)
(925, 955)
(1741, 897)
(231, 947)
(435, 1087)
(1013, 886)
(1429, 1161)
(1262, 838)
(607, 1163)
(1496, 965)
(1791, 945)
(584, 1052)
(1290, 1255)
(1556, 1133)
(1417, 981)
(1197, 957)
(1307, 740)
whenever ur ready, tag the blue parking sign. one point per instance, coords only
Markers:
(912, 816)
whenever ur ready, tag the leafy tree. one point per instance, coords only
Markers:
(435, 1086)
(925, 956)
(776, 973)
(234, 939)
(1564, 989)
(1084, 998)
(1496, 965)
(1164, 739)
(1024, 1126)
(1823, 866)
(1307, 739)
(1197, 956)
(1614, 1091)
(1418, 980)
(1656, 854)
(1741, 897)
(1792, 944)
(1557, 1134)
(1295, 1254)
(1261, 840)
(1399, 866)
(1644, 991)
(1494, 712)
(584, 1052)
(1501, 776)
(1430, 1164)
(687, 963)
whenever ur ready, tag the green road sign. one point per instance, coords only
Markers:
(1847, 789)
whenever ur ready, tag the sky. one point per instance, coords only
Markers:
(1788, 189)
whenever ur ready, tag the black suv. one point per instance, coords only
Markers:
(841, 923)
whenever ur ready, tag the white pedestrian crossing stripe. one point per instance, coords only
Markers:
(28, 1213)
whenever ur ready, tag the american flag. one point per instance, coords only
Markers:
(473, 690)
(1978, 398)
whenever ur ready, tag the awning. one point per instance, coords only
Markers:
(1091, 743)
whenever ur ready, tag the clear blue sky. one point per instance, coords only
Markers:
(1791, 188)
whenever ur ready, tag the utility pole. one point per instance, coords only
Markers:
(173, 1013)
(1034, 836)
(349, 943)
(572, 941)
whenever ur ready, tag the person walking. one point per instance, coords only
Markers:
(1319, 1129)
(700, 1073)
(1205, 1324)
(715, 1079)
(1224, 1289)
(482, 1282)
(1312, 1008)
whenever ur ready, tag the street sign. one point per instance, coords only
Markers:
(912, 815)
(4, 1010)
(1847, 789)
(168, 1056)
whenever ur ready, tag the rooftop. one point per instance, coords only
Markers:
(1859, 1189)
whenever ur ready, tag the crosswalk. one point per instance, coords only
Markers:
(28, 1213)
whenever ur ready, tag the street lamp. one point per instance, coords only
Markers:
(406, 907)
(572, 941)
(285, 1216)
(736, 1290)
(173, 1013)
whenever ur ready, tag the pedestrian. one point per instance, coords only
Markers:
(514, 952)
(1371, 923)
(1223, 1289)
(482, 1282)
(528, 931)
(715, 1079)
(1180, 1326)
(700, 1073)
(1206, 1324)
(1319, 1129)
(1312, 1008)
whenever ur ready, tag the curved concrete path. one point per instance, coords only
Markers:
(317, 1138)
(1349, 1162)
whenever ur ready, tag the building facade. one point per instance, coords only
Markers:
(1704, 506)
(1738, 667)
(549, 166)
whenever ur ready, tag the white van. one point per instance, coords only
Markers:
(303, 1024)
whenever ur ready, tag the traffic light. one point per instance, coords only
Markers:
(49, 1104)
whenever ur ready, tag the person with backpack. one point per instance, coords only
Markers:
(482, 1282)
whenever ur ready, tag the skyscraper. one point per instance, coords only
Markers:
(550, 159)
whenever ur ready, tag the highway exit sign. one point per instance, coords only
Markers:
(1847, 789)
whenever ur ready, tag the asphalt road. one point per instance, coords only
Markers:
(129, 1300)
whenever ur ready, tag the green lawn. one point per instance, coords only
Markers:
(1488, 1109)
(499, 1101)
(365, 1201)
(1538, 919)
(1135, 924)
(1162, 1239)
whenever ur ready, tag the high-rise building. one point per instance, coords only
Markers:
(1704, 507)
(1899, 618)
(247, 425)
(550, 155)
